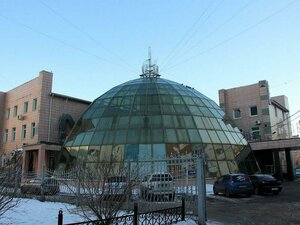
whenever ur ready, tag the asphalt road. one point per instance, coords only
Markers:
(283, 209)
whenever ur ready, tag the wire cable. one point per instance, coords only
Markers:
(60, 41)
(235, 35)
(187, 33)
(234, 15)
(84, 33)
(188, 39)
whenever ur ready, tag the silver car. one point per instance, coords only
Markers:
(158, 186)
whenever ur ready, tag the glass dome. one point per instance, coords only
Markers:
(153, 118)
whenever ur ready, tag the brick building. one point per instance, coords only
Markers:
(258, 115)
(265, 123)
(36, 121)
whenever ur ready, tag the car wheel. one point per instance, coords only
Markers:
(256, 191)
(227, 193)
(215, 192)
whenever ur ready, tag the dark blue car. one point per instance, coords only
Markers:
(233, 184)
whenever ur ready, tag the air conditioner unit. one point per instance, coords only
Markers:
(20, 117)
(257, 122)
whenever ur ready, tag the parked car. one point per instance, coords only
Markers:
(297, 172)
(158, 186)
(34, 186)
(264, 183)
(232, 184)
(116, 187)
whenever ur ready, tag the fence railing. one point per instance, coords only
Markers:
(159, 217)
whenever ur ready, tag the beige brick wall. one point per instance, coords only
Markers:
(2, 102)
(16, 97)
(63, 106)
(46, 116)
(243, 98)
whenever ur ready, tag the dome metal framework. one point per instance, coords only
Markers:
(153, 118)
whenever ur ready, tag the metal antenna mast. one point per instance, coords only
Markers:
(149, 70)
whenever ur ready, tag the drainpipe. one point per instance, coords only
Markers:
(50, 118)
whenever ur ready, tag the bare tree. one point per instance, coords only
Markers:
(102, 187)
(10, 177)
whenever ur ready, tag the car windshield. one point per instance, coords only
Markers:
(116, 179)
(161, 177)
(240, 178)
(265, 177)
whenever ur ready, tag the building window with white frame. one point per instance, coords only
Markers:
(253, 110)
(255, 133)
(13, 134)
(15, 110)
(5, 136)
(237, 113)
(7, 113)
(33, 129)
(23, 131)
(25, 107)
(34, 104)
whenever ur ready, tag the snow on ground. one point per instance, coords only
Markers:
(31, 211)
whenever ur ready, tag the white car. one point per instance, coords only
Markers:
(158, 186)
(116, 187)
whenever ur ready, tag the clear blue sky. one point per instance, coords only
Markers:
(91, 46)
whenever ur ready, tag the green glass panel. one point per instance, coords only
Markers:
(108, 137)
(228, 152)
(123, 122)
(78, 139)
(182, 136)
(87, 138)
(168, 121)
(105, 123)
(199, 122)
(209, 152)
(219, 152)
(145, 152)
(120, 136)
(157, 135)
(223, 167)
(194, 136)
(97, 138)
(131, 152)
(214, 137)
(212, 169)
(223, 137)
(204, 136)
(171, 136)
(133, 136)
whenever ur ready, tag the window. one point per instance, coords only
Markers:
(13, 134)
(276, 111)
(25, 107)
(253, 111)
(255, 133)
(15, 110)
(7, 113)
(34, 104)
(236, 113)
(33, 130)
(23, 131)
(5, 137)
